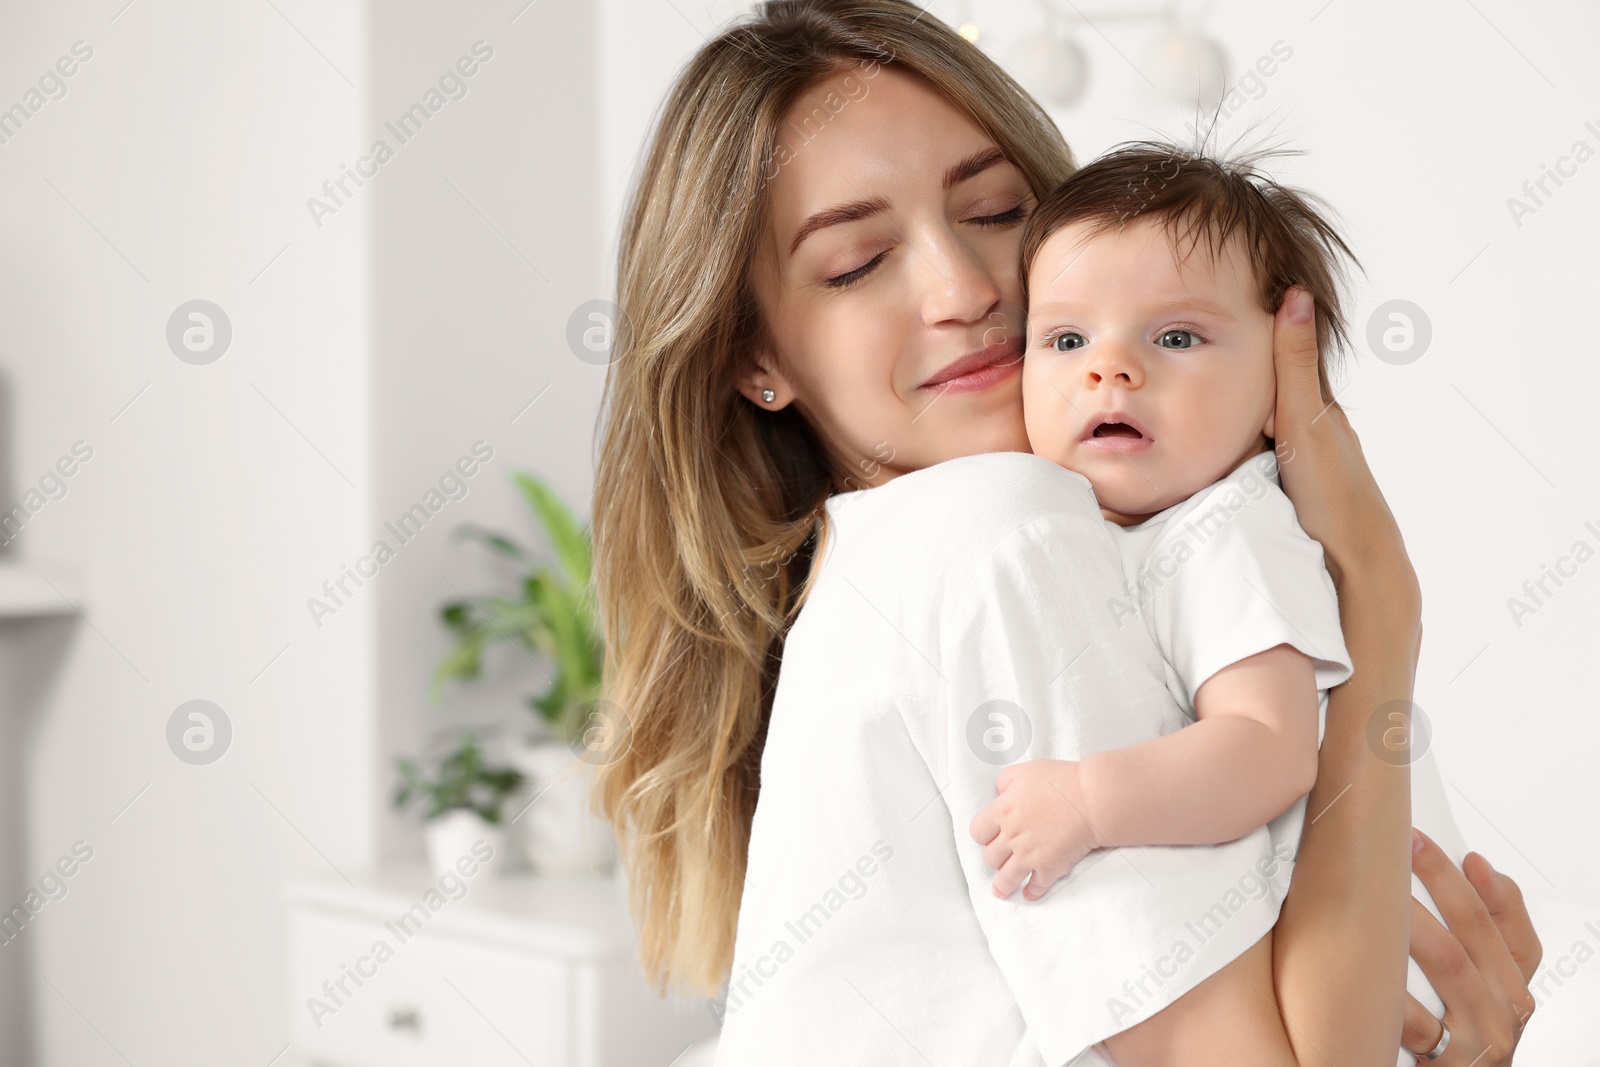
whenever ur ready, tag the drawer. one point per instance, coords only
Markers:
(434, 1002)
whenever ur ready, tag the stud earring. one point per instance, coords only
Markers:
(768, 395)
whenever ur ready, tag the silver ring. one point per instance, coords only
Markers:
(1444, 1043)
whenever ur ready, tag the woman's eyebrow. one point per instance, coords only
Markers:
(973, 165)
(833, 216)
(855, 211)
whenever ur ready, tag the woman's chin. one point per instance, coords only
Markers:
(997, 430)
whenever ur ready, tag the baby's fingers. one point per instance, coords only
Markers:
(1040, 883)
(1012, 874)
(985, 825)
(996, 853)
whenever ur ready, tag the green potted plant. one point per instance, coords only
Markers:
(549, 616)
(464, 804)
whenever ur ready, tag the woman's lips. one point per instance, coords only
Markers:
(980, 370)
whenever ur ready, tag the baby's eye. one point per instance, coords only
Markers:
(1067, 341)
(1178, 339)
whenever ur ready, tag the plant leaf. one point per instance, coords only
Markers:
(568, 539)
(471, 531)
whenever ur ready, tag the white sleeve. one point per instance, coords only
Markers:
(1243, 577)
(1034, 665)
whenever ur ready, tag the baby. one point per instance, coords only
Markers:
(1153, 276)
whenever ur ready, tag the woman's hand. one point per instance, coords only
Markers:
(1480, 966)
(1325, 474)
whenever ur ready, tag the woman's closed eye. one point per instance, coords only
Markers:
(849, 278)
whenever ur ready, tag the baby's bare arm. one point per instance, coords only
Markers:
(1251, 755)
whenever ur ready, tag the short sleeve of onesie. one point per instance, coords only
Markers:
(1229, 573)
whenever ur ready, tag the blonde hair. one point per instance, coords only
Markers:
(706, 508)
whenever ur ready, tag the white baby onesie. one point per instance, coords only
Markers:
(1224, 575)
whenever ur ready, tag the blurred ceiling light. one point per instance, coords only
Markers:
(1052, 66)
(1184, 66)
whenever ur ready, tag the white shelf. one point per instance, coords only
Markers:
(576, 919)
(520, 970)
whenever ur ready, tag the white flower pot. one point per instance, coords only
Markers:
(463, 833)
(557, 834)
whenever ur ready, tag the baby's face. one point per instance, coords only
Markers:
(1149, 377)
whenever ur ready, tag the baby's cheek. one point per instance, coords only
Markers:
(1210, 434)
(1043, 418)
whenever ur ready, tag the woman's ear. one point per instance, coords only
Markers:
(763, 385)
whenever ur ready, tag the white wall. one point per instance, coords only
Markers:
(177, 166)
(413, 315)
(485, 240)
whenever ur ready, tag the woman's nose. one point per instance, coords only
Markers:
(961, 286)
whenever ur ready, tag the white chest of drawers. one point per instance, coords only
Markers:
(398, 970)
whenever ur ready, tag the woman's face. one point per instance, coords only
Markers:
(897, 319)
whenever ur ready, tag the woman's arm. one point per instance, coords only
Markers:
(1340, 945)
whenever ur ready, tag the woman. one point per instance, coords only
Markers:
(818, 296)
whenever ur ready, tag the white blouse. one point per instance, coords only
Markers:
(959, 621)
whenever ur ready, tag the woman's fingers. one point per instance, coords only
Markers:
(1420, 1032)
(1314, 443)
(1479, 966)
(1450, 969)
(1503, 898)
(1336, 499)
(1469, 919)
(1294, 358)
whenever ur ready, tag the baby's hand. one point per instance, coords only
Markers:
(1038, 823)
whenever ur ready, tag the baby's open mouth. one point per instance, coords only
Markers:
(1117, 431)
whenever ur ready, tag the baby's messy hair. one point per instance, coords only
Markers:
(1198, 197)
